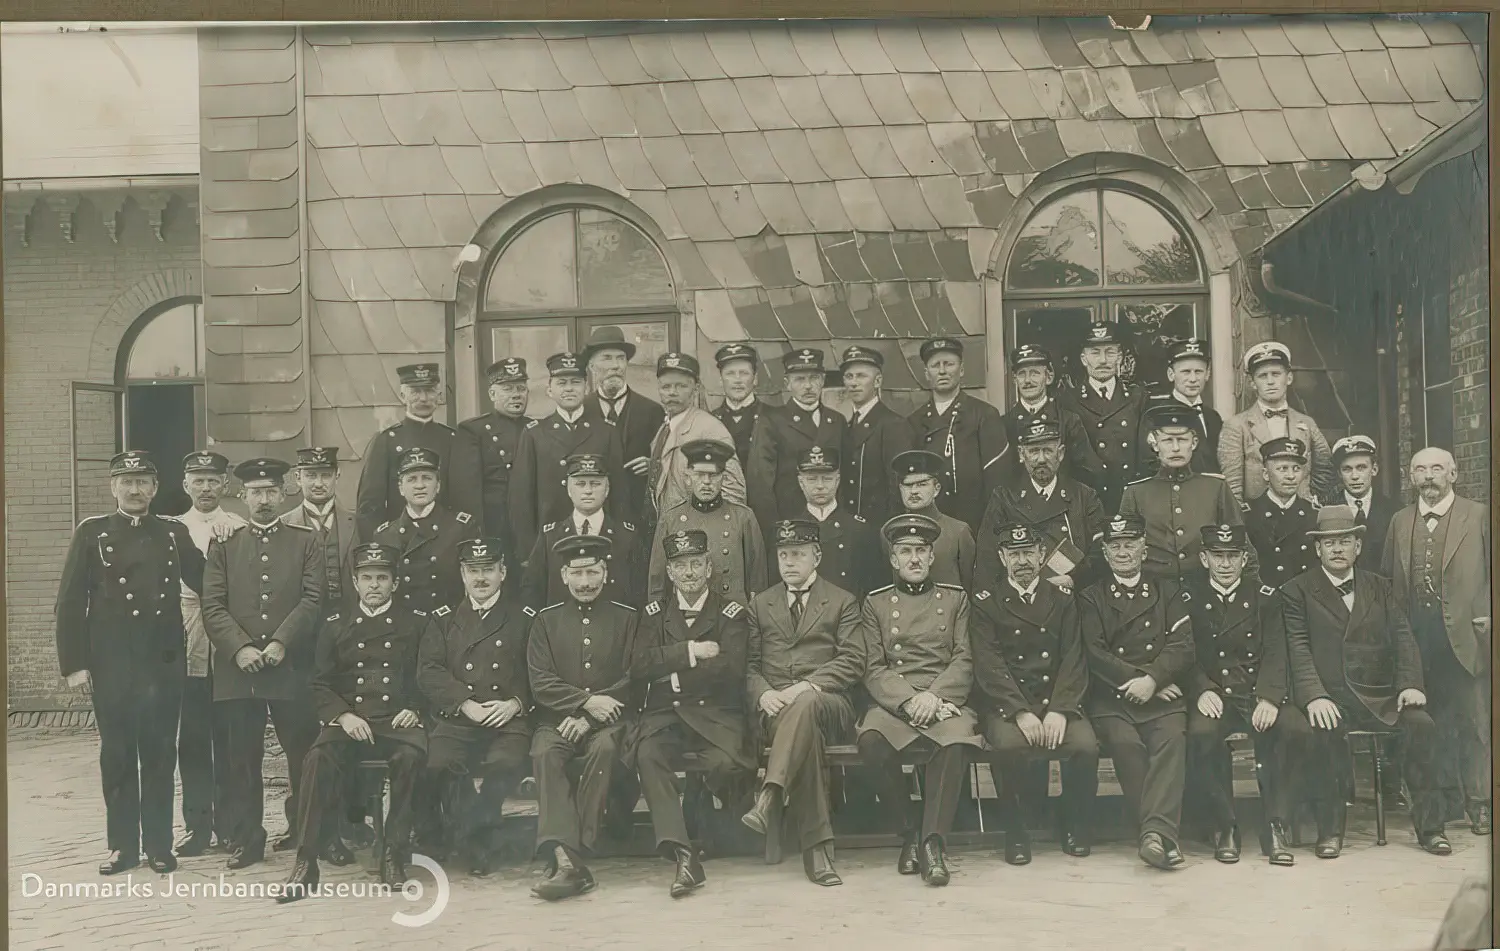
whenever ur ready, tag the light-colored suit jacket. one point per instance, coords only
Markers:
(672, 485)
(1466, 575)
(1239, 454)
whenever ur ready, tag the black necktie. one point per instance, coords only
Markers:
(1347, 588)
(1028, 596)
(1432, 519)
(610, 414)
(689, 616)
(1359, 510)
(797, 599)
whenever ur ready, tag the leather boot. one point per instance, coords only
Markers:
(1153, 851)
(1479, 818)
(392, 867)
(934, 862)
(817, 862)
(907, 862)
(1075, 842)
(1018, 847)
(118, 862)
(571, 878)
(1227, 845)
(689, 875)
(193, 844)
(1330, 829)
(162, 864)
(1435, 842)
(1278, 850)
(246, 854)
(337, 853)
(766, 810)
(302, 881)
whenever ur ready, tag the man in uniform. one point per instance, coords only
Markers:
(379, 494)
(1269, 366)
(850, 545)
(120, 637)
(1065, 513)
(919, 675)
(636, 417)
(1031, 369)
(1176, 501)
(200, 741)
(262, 587)
(579, 656)
(918, 476)
(1239, 683)
(589, 487)
(1355, 466)
(1031, 672)
(361, 715)
(677, 385)
(744, 416)
(316, 474)
(689, 669)
(1355, 666)
(968, 433)
(1110, 410)
(427, 535)
(473, 674)
(737, 549)
(1138, 636)
(1278, 520)
(1187, 377)
(876, 434)
(795, 427)
(807, 652)
(497, 434)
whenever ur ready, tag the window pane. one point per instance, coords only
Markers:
(537, 270)
(534, 345)
(167, 348)
(1143, 246)
(651, 339)
(1059, 331)
(1060, 245)
(618, 265)
(1152, 328)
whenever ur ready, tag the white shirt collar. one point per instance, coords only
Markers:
(418, 514)
(1185, 401)
(618, 402)
(1029, 589)
(418, 419)
(940, 406)
(1222, 590)
(377, 612)
(694, 608)
(736, 407)
(1271, 497)
(812, 580)
(134, 520)
(1439, 509)
(579, 519)
(808, 409)
(1336, 581)
(482, 606)
(570, 420)
(822, 514)
(324, 512)
(1261, 405)
(863, 410)
(1044, 490)
(1107, 387)
(1368, 498)
(1033, 407)
(1132, 584)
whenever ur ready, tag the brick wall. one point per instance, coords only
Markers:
(67, 305)
(1469, 329)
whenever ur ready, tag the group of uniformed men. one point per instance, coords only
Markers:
(628, 588)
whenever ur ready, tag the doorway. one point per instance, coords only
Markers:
(161, 370)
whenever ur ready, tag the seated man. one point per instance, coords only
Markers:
(589, 485)
(689, 671)
(918, 475)
(1139, 639)
(807, 651)
(1032, 677)
(473, 674)
(1239, 683)
(1355, 666)
(1278, 520)
(360, 718)
(738, 552)
(919, 674)
(579, 656)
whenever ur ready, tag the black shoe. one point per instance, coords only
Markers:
(817, 862)
(1075, 844)
(479, 862)
(193, 844)
(392, 868)
(1435, 843)
(1153, 851)
(1328, 846)
(934, 862)
(564, 883)
(689, 875)
(1479, 819)
(1174, 854)
(763, 813)
(1017, 848)
(907, 862)
(337, 853)
(162, 864)
(1227, 845)
(118, 862)
(246, 854)
(359, 835)
(303, 880)
(1275, 845)
(286, 842)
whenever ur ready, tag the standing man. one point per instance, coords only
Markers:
(316, 474)
(635, 417)
(1031, 369)
(1355, 465)
(919, 675)
(1188, 373)
(966, 432)
(379, 494)
(736, 549)
(261, 590)
(539, 481)
(802, 423)
(579, 655)
(1139, 639)
(1110, 410)
(807, 652)
(473, 674)
(1031, 672)
(876, 434)
(1176, 502)
(850, 545)
(120, 638)
(1437, 556)
(1279, 519)
(427, 535)
(677, 380)
(1269, 366)
(497, 434)
(1356, 666)
(689, 671)
(200, 740)
(357, 713)
(744, 416)
(1065, 514)
(589, 487)
(918, 476)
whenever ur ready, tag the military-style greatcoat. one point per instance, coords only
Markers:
(539, 480)
(1239, 642)
(736, 549)
(853, 552)
(1175, 504)
(970, 435)
(1113, 427)
(1129, 632)
(576, 651)
(468, 656)
(1073, 513)
(1028, 658)
(496, 438)
(379, 498)
(428, 571)
(1279, 536)
(869, 487)
(543, 584)
(790, 432)
(1210, 424)
(918, 641)
(367, 666)
(1080, 462)
(952, 552)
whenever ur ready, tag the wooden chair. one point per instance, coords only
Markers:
(373, 777)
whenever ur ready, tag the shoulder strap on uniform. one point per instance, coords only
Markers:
(532, 423)
(92, 518)
(625, 606)
(330, 619)
(859, 518)
(1139, 481)
(383, 526)
(300, 528)
(418, 613)
(981, 595)
(950, 587)
(733, 608)
(549, 526)
(443, 611)
(1267, 590)
(653, 608)
(882, 590)
(549, 607)
(1214, 475)
(1180, 622)
(463, 518)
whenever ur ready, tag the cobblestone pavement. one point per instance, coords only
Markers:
(1370, 899)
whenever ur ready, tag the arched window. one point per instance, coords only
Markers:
(161, 368)
(1105, 254)
(564, 274)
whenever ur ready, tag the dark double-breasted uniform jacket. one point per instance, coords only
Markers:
(1210, 424)
(1175, 504)
(853, 552)
(637, 425)
(576, 651)
(1113, 427)
(745, 426)
(789, 433)
(1080, 462)
(869, 488)
(970, 435)
(379, 498)
(539, 481)
(542, 583)
(1240, 644)
(827, 648)
(1129, 632)
(1028, 658)
(260, 585)
(1072, 513)
(367, 666)
(428, 571)
(495, 438)
(748, 428)
(468, 656)
(708, 696)
(1279, 537)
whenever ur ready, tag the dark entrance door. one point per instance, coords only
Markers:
(162, 422)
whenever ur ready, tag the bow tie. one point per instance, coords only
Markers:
(1347, 588)
(1273, 413)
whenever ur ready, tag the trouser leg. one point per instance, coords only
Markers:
(600, 754)
(118, 720)
(1283, 751)
(1123, 742)
(1210, 772)
(656, 758)
(195, 756)
(557, 815)
(404, 766)
(160, 700)
(883, 765)
(1419, 746)
(797, 764)
(1165, 739)
(1079, 753)
(245, 732)
(323, 776)
(296, 728)
(943, 780)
